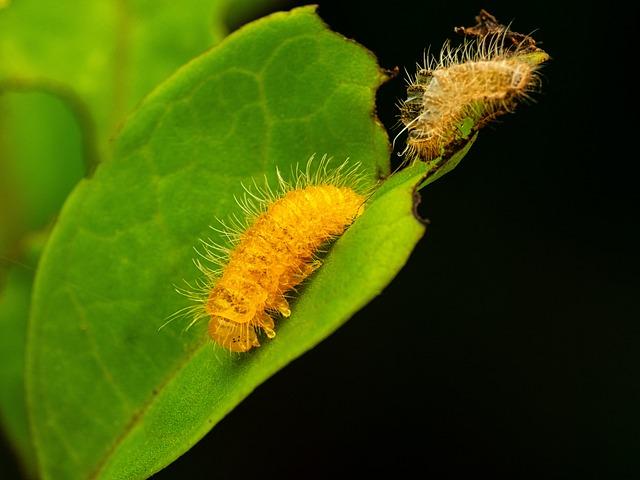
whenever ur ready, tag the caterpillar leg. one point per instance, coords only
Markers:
(266, 323)
(282, 306)
(237, 337)
(308, 268)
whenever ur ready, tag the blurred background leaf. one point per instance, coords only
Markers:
(42, 160)
(14, 310)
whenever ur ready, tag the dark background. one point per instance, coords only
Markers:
(508, 346)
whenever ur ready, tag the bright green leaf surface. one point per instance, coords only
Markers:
(110, 396)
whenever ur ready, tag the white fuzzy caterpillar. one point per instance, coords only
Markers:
(476, 82)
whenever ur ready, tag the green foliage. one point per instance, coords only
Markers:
(110, 396)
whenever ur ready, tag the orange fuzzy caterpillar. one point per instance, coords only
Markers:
(478, 81)
(274, 251)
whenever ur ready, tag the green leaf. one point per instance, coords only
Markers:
(107, 55)
(109, 395)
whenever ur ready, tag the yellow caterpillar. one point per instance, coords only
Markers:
(274, 249)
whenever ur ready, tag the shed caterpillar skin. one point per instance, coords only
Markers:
(274, 249)
(484, 78)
